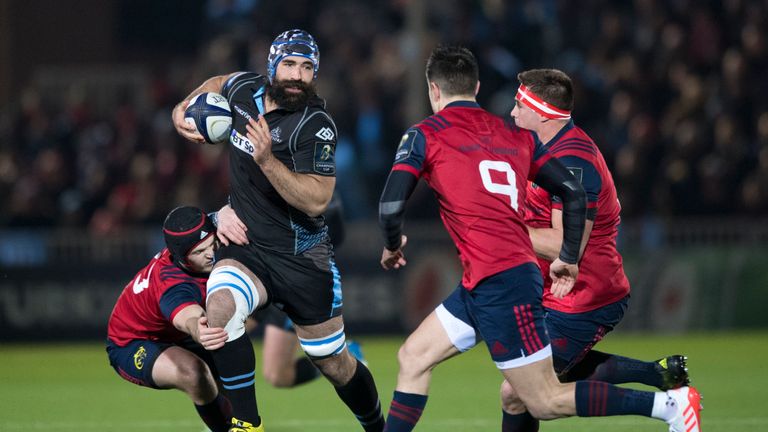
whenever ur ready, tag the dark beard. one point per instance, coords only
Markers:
(291, 101)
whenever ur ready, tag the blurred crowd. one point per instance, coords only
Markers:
(673, 92)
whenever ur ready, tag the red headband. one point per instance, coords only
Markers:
(537, 104)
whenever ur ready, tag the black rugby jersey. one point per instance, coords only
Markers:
(304, 140)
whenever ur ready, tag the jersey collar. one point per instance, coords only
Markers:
(568, 126)
(462, 104)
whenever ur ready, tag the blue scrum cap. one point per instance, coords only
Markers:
(292, 43)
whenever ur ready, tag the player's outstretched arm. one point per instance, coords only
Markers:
(187, 130)
(399, 187)
(192, 320)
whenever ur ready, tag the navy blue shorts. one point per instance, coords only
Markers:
(505, 311)
(134, 362)
(573, 335)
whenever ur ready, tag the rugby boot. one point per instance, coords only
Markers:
(688, 417)
(243, 426)
(674, 372)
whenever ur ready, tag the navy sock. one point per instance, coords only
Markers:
(524, 422)
(362, 398)
(305, 371)
(597, 399)
(616, 369)
(405, 411)
(236, 362)
(216, 414)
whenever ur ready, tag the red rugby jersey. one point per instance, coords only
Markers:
(478, 166)
(150, 301)
(601, 279)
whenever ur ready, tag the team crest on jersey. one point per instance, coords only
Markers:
(406, 146)
(139, 357)
(276, 134)
(325, 134)
(325, 162)
(577, 172)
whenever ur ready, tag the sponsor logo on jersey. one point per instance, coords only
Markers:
(276, 132)
(406, 146)
(577, 172)
(139, 357)
(240, 142)
(325, 134)
(325, 162)
(243, 112)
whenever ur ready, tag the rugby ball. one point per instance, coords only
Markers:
(211, 115)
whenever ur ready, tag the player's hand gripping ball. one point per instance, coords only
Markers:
(211, 115)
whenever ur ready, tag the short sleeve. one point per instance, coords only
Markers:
(314, 147)
(178, 296)
(411, 152)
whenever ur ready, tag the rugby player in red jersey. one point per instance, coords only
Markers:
(478, 166)
(158, 333)
(599, 298)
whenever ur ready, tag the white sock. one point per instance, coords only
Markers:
(664, 407)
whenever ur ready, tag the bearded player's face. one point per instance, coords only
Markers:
(294, 83)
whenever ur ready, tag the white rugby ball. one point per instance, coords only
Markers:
(211, 115)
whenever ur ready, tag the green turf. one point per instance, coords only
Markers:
(72, 388)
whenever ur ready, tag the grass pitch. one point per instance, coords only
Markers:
(70, 387)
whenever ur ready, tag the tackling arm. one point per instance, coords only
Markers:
(192, 321)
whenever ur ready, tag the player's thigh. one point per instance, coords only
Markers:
(135, 361)
(306, 287)
(279, 350)
(507, 312)
(573, 335)
(179, 368)
(239, 274)
(428, 345)
(325, 345)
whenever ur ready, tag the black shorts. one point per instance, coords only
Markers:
(271, 315)
(307, 287)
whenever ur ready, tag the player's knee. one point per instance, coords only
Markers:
(278, 377)
(338, 369)
(324, 347)
(411, 359)
(196, 379)
(510, 401)
(232, 296)
(219, 308)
